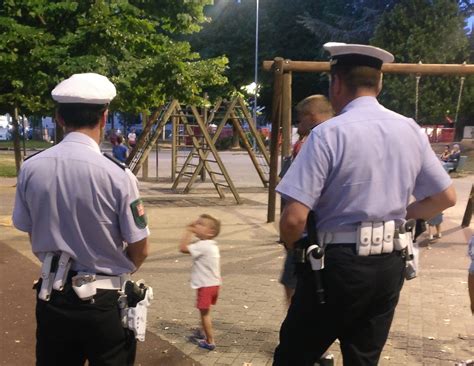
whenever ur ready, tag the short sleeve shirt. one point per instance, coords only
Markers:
(206, 271)
(132, 137)
(72, 199)
(363, 165)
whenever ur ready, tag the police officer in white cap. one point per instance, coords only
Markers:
(357, 172)
(87, 225)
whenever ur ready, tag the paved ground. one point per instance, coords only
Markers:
(432, 326)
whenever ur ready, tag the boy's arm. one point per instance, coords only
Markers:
(186, 239)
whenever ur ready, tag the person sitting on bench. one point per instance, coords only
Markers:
(453, 159)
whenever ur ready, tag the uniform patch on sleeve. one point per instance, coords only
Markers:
(138, 212)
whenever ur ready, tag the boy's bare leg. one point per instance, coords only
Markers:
(207, 325)
(430, 235)
(438, 230)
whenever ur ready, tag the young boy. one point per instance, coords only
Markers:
(205, 273)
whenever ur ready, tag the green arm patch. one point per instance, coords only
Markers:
(138, 212)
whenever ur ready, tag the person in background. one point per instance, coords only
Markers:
(119, 150)
(132, 138)
(205, 273)
(310, 112)
(453, 160)
(470, 278)
(435, 221)
(445, 154)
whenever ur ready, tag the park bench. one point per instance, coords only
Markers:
(452, 167)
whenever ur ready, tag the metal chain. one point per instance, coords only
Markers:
(417, 93)
(461, 86)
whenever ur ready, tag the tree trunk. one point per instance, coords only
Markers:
(459, 130)
(16, 141)
(235, 138)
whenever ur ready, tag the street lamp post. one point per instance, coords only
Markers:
(256, 68)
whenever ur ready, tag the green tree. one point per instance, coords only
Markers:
(135, 43)
(231, 32)
(430, 32)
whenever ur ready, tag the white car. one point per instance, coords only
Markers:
(4, 134)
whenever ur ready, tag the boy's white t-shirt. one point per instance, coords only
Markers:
(206, 270)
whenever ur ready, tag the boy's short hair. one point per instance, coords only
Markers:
(215, 223)
(315, 104)
(119, 139)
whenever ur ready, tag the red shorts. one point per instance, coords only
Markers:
(207, 296)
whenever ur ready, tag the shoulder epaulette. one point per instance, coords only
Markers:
(36, 153)
(116, 161)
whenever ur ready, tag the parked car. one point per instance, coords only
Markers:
(4, 134)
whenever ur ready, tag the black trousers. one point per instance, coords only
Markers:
(71, 331)
(361, 296)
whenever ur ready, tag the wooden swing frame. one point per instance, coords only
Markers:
(282, 103)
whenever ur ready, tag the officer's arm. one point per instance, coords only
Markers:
(138, 251)
(292, 222)
(433, 205)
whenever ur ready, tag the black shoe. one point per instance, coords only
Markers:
(326, 360)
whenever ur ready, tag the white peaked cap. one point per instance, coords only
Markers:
(357, 54)
(88, 88)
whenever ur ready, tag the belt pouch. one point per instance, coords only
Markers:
(61, 274)
(401, 241)
(47, 276)
(364, 238)
(388, 232)
(84, 285)
(377, 238)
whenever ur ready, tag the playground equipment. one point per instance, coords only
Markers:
(417, 94)
(236, 112)
(200, 155)
(281, 102)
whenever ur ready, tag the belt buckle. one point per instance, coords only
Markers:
(83, 279)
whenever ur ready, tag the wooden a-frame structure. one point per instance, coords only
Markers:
(202, 154)
(153, 130)
(237, 113)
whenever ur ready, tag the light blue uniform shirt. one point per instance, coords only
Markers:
(363, 165)
(73, 199)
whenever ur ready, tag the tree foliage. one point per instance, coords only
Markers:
(231, 32)
(135, 43)
(427, 31)
(430, 32)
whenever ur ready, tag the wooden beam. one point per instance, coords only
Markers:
(420, 69)
(276, 118)
(286, 116)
